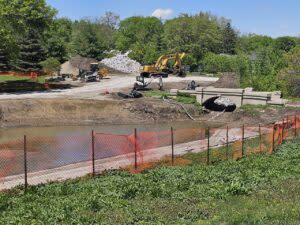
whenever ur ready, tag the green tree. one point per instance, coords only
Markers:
(31, 53)
(58, 38)
(110, 23)
(250, 43)
(6, 48)
(142, 35)
(4, 60)
(289, 76)
(25, 14)
(196, 35)
(88, 39)
(229, 39)
(285, 43)
(17, 17)
(263, 70)
(51, 65)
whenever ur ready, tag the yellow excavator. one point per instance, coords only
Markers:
(161, 67)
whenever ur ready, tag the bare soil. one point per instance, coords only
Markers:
(53, 112)
(60, 111)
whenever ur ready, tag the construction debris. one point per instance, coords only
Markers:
(123, 63)
(132, 94)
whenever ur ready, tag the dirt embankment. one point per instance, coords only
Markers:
(58, 112)
(53, 112)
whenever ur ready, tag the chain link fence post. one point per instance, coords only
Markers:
(208, 146)
(135, 149)
(260, 137)
(227, 143)
(295, 121)
(172, 143)
(273, 139)
(243, 139)
(93, 153)
(25, 163)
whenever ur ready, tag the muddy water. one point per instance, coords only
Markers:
(51, 147)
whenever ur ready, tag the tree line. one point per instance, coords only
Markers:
(32, 37)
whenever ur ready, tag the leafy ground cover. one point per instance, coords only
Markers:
(256, 190)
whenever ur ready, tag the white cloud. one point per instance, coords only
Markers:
(162, 13)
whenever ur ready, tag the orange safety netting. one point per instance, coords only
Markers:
(252, 140)
(297, 125)
(266, 144)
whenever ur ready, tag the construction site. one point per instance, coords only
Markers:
(188, 114)
(118, 97)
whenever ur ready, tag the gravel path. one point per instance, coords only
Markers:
(96, 90)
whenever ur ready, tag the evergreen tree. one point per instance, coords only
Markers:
(229, 39)
(4, 60)
(31, 53)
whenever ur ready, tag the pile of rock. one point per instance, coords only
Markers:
(121, 62)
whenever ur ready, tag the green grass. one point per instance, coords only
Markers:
(256, 190)
(294, 99)
(4, 78)
(184, 98)
(255, 110)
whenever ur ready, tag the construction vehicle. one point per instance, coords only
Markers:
(94, 74)
(161, 67)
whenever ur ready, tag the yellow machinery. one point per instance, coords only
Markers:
(161, 66)
(103, 72)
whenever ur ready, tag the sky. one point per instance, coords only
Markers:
(268, 17)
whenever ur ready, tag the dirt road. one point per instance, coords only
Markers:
(96, 90)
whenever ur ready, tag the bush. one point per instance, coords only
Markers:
(51, 66)
(213, 63)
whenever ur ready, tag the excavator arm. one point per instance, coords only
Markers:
(161, 66)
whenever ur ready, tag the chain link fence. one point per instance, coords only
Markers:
(32, 160)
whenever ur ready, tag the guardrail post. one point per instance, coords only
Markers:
(135, 149)
(93, 153)
(208, 146)
(172, 143)
(25, 163)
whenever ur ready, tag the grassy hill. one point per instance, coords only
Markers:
(255, 190)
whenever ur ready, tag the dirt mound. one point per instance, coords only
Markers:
(82, 62)
(228, 80)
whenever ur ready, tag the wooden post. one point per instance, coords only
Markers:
(227, 143)
(135, 149)
(25, 163)
(208, 146)
(172, 143)
(93, 153)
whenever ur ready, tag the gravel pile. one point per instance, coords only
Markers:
(121, 62)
